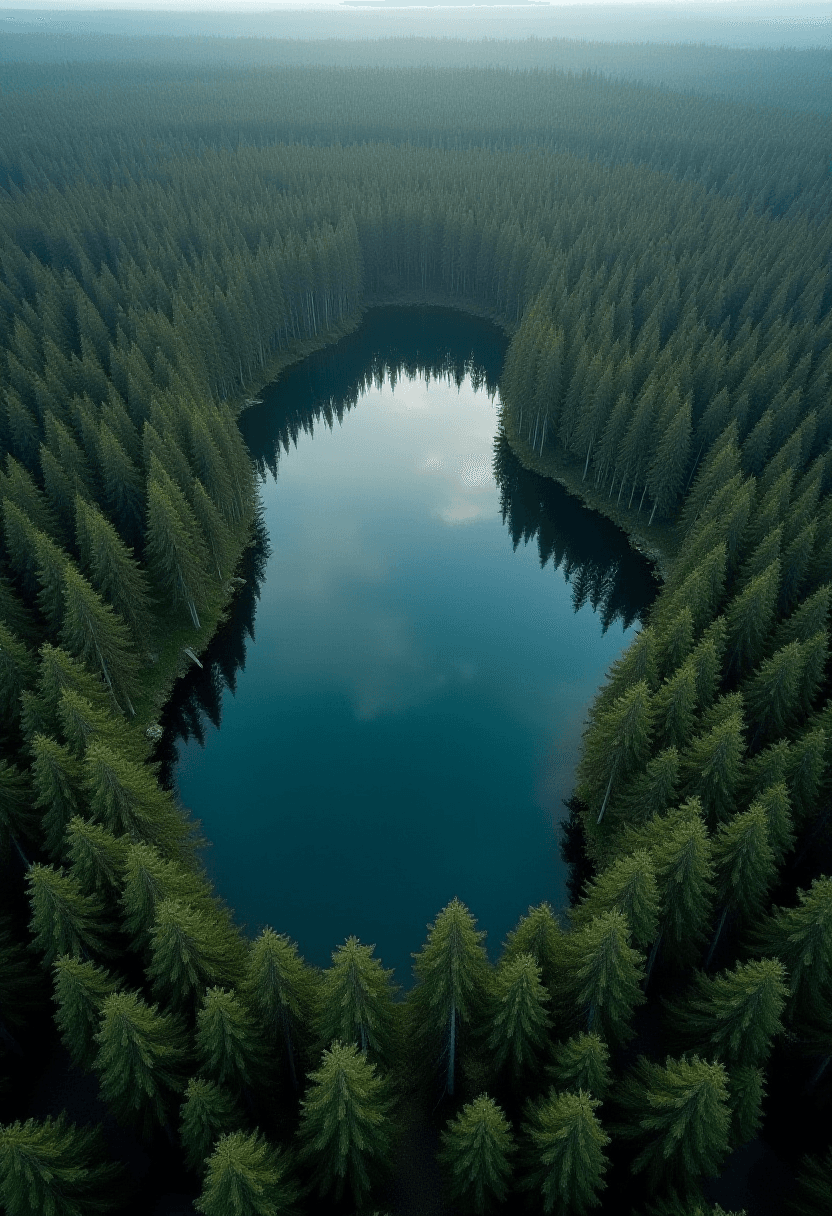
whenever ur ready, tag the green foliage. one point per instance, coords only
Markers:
(113, 571)
(282, 992)
(64, 920)
(149, 879)
(356, 1000)
(125, 797)
(16, 817)
(451, 971)
(801, 937)
(57, 781)
(95, 634)
(208, 1112)
(140, 1060)
(80, 991)
(17, 671)
(519, 1021)
(734, 1016)
(616, 743)
(54, 1168)
(227, 1041)
(565, 1160)
(628, 886)
(344, 1129)
(539, 934)
(605, 975)
(247, 1176)
(681, 853)
(814, 1186)
(476, 1154)
(582, 1063)
(679, 1115)
(189, 951)
(746, 1091)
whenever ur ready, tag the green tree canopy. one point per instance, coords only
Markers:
(519, 1021)
(564, 1146)
(476, 1151)
(356, 1000)
(247, 1176)
(54, 1168)
(208, 1112)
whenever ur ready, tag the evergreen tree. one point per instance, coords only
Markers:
(749, 618)
(140, 1059)
(711, 767)
(282, 992)
(96, 858)
(814, 1187)
(80, 991)
(17, 822)
(451, 971)
(746, 1090)
(775, 805)
(773, 692)
(113, 571)
(652, 791)
(744, 867)
(125, 797)
(148, 880)
(628, 885)
(616, 744)
(675, 706)
(565, 1145)
(17, 672)
(605, 975)
(356, 1000)
(57, 782)
(667, 475)
(679, 1113)
(801, 937)
(246, 1176)
(476, 1153)
(176, 553)
(96, 635)
(735, 1015)
(227, 1041)
(64, 921)
(519, 1021)
(190, 951)
(539, 934)
(208, 1112)
(582, 1063)
(344, 1129)
(55, 1168)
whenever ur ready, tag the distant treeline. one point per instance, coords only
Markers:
(663, 270)
(783, 77)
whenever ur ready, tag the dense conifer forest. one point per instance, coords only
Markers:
(171, 237)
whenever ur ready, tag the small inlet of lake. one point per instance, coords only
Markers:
(392, 714)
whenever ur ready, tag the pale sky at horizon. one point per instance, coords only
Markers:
(755, 7)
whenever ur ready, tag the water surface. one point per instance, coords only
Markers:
(408, 697)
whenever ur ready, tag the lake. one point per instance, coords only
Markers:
(392, 714)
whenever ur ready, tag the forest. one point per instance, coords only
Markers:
(172, 236)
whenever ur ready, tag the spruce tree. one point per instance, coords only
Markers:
(149, 879)
(773, 691)
(190, 951)
(679, 1115)
(208, 1112)
(64, 920)
(282, 993)
(58, 788)
(113, 571)
(627, 885)
(96, 858)
(95, 634)
(344, 1130)
(564, 1150)
(653, 791)
(539, 934)
(451, 971)
(17, 821)
(140, 1059)
(356, 1000)
(247, 1176)
(126, 798)
(681, 853)
(80, 991)
(734, 1016)
(711, 767)
(227, 1041)
(476, 1152)
(54, 1168)
(519, 1021)
(605, 975)
(744, 868)
(749, 618)
(176, 554)
(582, 1063)
(801, 937)
(17, 672)
(615, 745)
(775, 805)
(746, 1091)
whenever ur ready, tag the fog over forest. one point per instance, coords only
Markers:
(415, 577)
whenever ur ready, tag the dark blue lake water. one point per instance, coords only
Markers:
(395, 720)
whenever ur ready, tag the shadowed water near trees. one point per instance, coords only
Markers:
(397, 350)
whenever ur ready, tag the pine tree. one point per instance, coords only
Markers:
(652, 791)
(246, 1176)
(55, 1168)
(64, 921)
(17, 822)
(735, 1015)
(519, 1020)
(539, 934)
(114, 573)
(176, 554)
(476, 1153)
(605, 975)
(744, 867)
(96, 858)
(679, 1113)
(140, 1059)
(616, 744)
(451, 971)
(746, 1091)
(96, 635)
(775, 805)
(675, 706)
(208, 1112)
(190, 951)
(17, 672)
(80, 991)
(773, 692)
(667, 475)
(57, 782)
(344, 1130)
(356, 1000)
(565, 1143)
(125, 797)
(282, 993)
(582, 1063)
(628, 886)
(148, 880)
(749, 618)
(227, 1041)
(801, 937)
